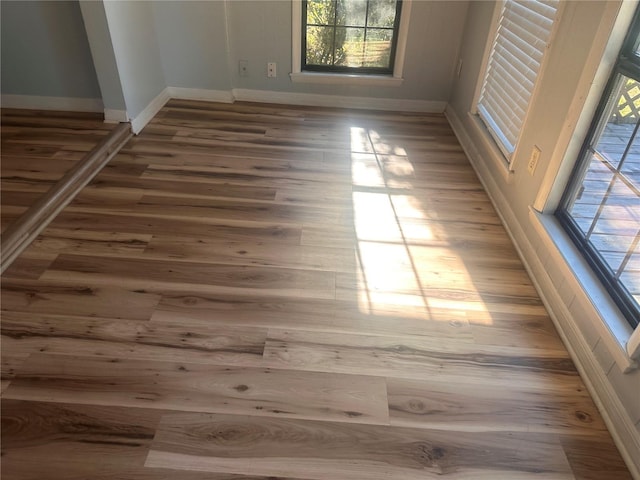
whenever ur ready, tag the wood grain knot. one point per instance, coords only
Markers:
(583, 416)
(417, 406)
(430, 456)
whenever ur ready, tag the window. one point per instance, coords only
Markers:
(523, 34)
(600, 208)
(350, 36)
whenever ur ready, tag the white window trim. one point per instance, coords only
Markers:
(622, 342)
(507, 163)
(394, 80)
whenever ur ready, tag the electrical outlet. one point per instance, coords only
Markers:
(533, 160)
(243, 68)
(271, 69)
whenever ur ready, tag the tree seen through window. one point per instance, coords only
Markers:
(350, 35)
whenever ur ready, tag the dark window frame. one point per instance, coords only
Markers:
(351, 70)
(627, 64)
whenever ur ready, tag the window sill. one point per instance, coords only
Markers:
(346, 79)
(615, 332)
(496, 155)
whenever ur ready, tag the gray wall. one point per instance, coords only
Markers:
(568, 58)
(133, 36)
(139, 48)
(192, 38)
(45, 50)
(260, 32)
(197, 51)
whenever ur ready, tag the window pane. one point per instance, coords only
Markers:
(351, 13)
(606, 203)
(378, 48)
(601, 205)
(382, 13)
(339, 39)
(320, 12)
(631, 166)
(621, 118)
(320, 45)
(350, 46)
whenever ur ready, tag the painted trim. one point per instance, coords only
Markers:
(296, 47)
(115, 116)
(223, 96)
(495, 153)
(66, 104)
(296, 36)
(595, 74)
(318, 100)
(493, 29)
(403, 34)
(616, 417)
(150, 111)
(616, 331)
(287, 98)
(346, 79)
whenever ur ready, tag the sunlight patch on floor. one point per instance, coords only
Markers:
(389, 224)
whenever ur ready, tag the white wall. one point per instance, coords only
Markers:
(45, 51)
(561, 91)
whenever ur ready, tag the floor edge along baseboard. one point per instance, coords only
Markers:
(26, 228)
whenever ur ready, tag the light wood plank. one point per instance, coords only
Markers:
(466, 406)
(55, 334)
(311, 315)
(77, 299)
(420, 358)
(320, 450)
(158, 275)
(200, 388)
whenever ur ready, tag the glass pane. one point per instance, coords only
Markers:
(382, 13)
(320, 45)
(607, 210)
(320, 12)
(349, 46)
(378, 48)
(621, 121)
(351, 13)
(631, 166)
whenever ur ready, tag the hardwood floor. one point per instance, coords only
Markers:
(38, 148)
(258, 292)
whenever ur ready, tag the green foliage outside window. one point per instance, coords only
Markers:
(350, 33)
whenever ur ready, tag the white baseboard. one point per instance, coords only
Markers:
(115, 116)
(617, 419)
(150, 111)
(267, 96)
(67, 104)
(317, 100)
(222, 96)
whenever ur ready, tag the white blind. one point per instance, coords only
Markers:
(523, 33)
